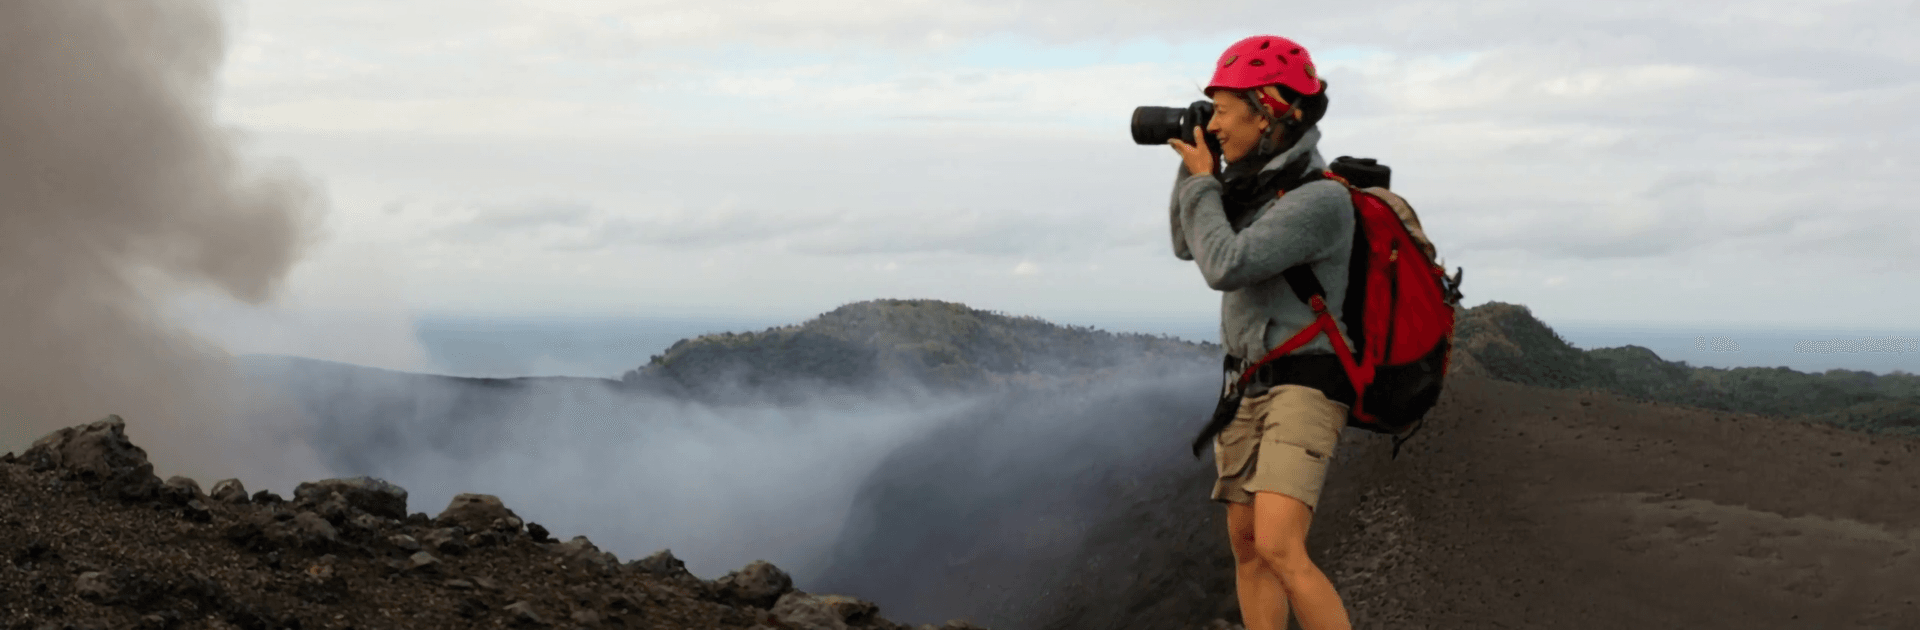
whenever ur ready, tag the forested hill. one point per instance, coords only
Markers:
(1505, 342)
(941, 345)
(946, 345)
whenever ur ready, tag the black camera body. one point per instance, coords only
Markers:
(1159, 125)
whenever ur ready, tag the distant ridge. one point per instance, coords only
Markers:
(948, 345)
(944, 345)
(1505, 342)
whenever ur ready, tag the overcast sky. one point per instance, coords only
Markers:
(1737, 164)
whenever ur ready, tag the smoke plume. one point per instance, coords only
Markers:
(118, 190)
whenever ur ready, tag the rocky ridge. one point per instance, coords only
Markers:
(92, 539)
(930, 343)
(1506, 342)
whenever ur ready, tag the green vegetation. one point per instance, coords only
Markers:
(941, 344)
(1513, 346)
(949, 345)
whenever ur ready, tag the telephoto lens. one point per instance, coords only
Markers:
(1158, 125)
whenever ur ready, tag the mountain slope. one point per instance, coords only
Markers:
(1505, 342)
(941, 345)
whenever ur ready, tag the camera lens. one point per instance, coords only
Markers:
(1156, 125)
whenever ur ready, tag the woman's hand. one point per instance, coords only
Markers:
(1199, 160)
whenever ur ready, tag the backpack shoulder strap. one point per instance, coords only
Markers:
(1305, 286)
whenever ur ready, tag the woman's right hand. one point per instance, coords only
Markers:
(1197, 158)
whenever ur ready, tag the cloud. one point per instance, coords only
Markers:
(778, 135)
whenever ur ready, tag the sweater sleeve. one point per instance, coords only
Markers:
(1173, 211)
(1302, 226)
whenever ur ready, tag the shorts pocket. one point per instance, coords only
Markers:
(1304, 418)
(1239, 441)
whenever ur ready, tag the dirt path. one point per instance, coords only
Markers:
(1523, 507)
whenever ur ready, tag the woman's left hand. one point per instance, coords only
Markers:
(1199, 160)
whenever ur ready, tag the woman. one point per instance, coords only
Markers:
(1265, 212)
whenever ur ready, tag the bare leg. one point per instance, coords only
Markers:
(1280, 538)
(1263, 602)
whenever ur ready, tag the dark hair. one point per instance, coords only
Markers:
(1312, 108)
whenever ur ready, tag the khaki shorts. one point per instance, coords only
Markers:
(1281, 441)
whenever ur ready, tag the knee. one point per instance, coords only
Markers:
(1244, 551)
(1284, 559)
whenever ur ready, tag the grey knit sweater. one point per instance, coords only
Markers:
(1313, 224)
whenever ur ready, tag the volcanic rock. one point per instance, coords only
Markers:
(367, 494)
(70, 560)
(661, 563)
(523, 613)
(759, 584)
(229, 491)
(305, 529)
(335, 509)
(179, 490)
(447, 540)
(101, 451)
(581, 550)
(478, 513)
(805, 611)
(423, 561)
(404, 542)
(92, 585)
(197, 512)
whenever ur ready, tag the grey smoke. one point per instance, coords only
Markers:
(728, 482)
(117, 190)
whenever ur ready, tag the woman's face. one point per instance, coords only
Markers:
(1236, 124)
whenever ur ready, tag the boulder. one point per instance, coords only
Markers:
(196, 511)
(804, 611)
(582, 550)
(180, 490)
(366, 522)
(451, 541)
(403, 542)
(367, 494)
(305, 529)
(523, 614)
(335, 509)
(479, 513)
(662, 564)
(759, 584)
(423, 562)
(229, 491)
(100, 450)
(93, 586)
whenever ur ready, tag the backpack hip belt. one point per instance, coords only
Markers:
(1320, 371)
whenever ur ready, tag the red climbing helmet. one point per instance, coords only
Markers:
(1265, 60)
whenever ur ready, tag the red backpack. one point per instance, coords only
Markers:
(1399, 310)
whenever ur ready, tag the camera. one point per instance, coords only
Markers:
(1158, 125)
